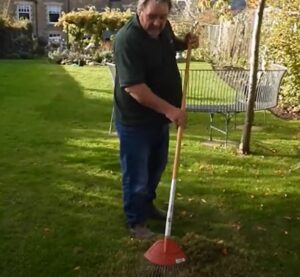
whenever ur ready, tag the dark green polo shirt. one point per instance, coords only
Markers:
(142, 59)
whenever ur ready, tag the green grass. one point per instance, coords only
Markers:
(60, 193)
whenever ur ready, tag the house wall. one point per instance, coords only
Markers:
(39, 12)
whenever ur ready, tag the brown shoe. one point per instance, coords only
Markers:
(140, 231)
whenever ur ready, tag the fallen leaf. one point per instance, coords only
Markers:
(220, 205)
(77, 250)
(203, 200)
(236, 226)
(260, 228)
(225, 251)
(46, 230)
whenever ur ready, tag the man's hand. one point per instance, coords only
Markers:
(192, 39)
(177, 116)
(143, 95)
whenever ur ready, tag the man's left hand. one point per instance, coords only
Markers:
(192, 40)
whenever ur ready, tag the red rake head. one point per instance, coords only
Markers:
(165, 252)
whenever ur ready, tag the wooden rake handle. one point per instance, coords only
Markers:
(183, 101)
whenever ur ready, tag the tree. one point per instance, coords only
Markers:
(282, 41)
(252, 4)
(4, 8)
(254, 61)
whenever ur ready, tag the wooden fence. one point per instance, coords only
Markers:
(227, 43)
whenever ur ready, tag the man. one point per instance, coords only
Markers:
(147, 98)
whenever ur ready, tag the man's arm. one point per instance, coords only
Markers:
(143, 95)
(181, 44)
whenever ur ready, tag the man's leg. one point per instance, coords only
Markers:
(134, 154)
(157, 163)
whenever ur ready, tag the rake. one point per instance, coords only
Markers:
(165, 254)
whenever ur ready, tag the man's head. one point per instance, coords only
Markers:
(153, 15)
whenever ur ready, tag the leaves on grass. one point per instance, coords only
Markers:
(215, 257)
(236, 226)
(261, 228)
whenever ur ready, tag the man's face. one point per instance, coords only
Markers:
(153, 17)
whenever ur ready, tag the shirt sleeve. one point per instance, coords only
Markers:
(129, 61)
(179, 44)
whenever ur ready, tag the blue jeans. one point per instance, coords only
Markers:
(143, 158)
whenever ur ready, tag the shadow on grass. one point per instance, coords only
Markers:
(60, 181)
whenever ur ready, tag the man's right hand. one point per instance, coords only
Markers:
(177, 116)
(143, 94)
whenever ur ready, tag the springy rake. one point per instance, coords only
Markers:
(166, 256)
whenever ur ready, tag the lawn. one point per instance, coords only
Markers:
(60, 194)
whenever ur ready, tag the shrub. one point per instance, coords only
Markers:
(57, 56)
(15, 37)
(39, 46)
(90, 26)
(283, 46)
(101, 56)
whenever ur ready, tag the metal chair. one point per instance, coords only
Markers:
(225, 92)
(112, 70)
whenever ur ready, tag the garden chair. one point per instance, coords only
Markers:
(225, 92)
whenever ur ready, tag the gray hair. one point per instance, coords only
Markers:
(142, 3)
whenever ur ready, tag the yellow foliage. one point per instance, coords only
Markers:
(93, 22)
(252, 4)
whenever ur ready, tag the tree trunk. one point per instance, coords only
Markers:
(251, 96)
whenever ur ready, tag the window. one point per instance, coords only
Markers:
(24, 11)
(54, 38)
(53, 13)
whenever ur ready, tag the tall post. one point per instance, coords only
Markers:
(251, 96)
(5, 12)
